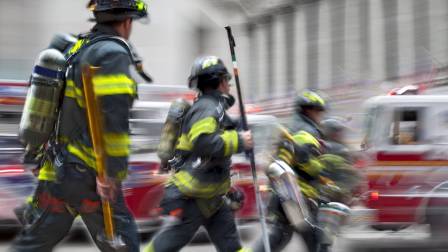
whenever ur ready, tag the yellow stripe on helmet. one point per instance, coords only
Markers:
(314, 97)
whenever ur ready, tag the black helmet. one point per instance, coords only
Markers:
(332, 125)
(310, 99)
(117, 10)
(208, 69)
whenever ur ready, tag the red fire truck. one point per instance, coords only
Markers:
(406, 161)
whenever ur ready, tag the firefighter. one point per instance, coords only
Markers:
(338, 162)
(194, 195)
(333, 130)
(68, 185)
(301, 158)
(310, 108)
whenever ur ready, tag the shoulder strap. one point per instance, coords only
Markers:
(136, 61)
(95, 40)
(71, 58)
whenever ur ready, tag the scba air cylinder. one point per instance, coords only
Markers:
(42, 101)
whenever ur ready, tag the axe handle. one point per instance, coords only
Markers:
(95, 127)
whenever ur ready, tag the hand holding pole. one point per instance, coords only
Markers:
(250, 153)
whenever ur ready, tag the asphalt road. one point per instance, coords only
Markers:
(414, 239)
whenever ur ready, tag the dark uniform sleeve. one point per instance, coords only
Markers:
(292, 153)
(208, 139)
(116, 91)
(304, 163)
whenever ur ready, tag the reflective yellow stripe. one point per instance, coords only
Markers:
(84, 155)
(313, 167)
(286, 156)
(307, 189)
(244, 250)
(141, 6)
(47, 172)
(184, 143)
(192, 187)
(303, 137)
(314, 97)
(211, 61)
(207, 125)
(230, 138)
(74, 92)
(149, 248)
(63, 139)
(334, 160)
(40, 107)
(113, 84)
(77, 46)
(117, 144)
(121, 175)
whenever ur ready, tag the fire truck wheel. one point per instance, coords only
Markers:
(437, 218)
(389, 227)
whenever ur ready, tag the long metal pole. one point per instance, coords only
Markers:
(250, 153)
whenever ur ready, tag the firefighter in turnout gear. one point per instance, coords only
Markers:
(195, 193)
(68, 185)
(298, 156)
(301, 157)
(333, 131)
(338, 161)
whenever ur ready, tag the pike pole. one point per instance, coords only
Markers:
(95, 127)
(250, 153)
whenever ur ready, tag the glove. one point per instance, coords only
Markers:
(164, 166)
(107, 188)
(235, 198)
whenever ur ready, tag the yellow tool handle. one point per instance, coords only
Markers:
(286, 134)
(95, 127)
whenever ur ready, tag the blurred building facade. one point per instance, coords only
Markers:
(337, 44)
(168, 43)
(282, 45)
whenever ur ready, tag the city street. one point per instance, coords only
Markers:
(355, 239)
(331, 114)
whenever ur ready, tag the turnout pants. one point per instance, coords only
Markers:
(50, 215)
(178, 232)
(280, 232)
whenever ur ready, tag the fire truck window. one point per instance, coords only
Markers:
(369, 119)
(404, 129)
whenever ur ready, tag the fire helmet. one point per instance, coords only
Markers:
(332, 125)
(207, 70)
(117, 10)
(310, 99)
